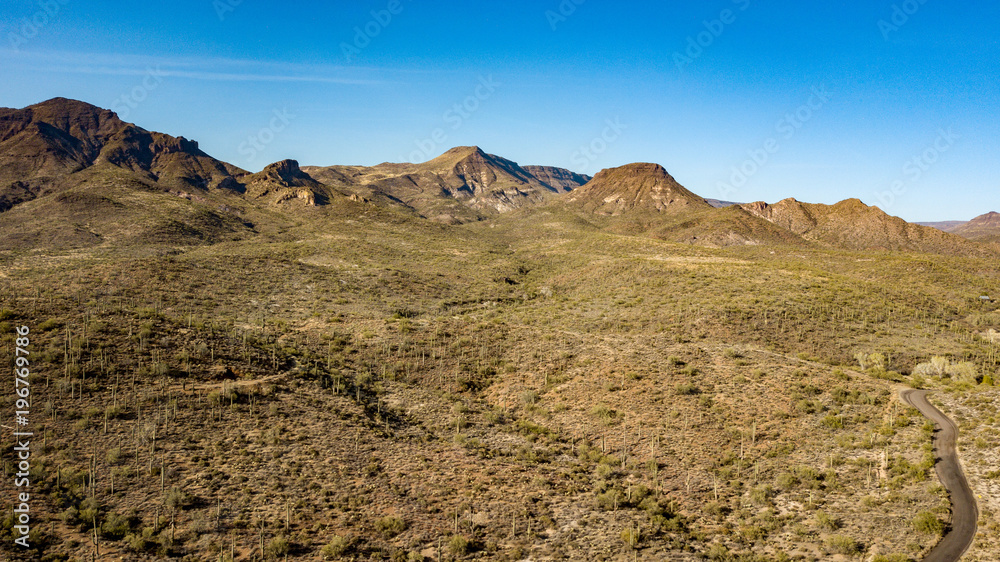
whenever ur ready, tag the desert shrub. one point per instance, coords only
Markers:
(90, 510)
(965, 371)
(337, 547)
(48, 325)
(604, 413)
(752, 533)
(177, 498)
(610, 499)
(843, 545)
(833, 422)
(787, 481)
(390, 526)
(686, 389)
(141, 541)
(826, 522)
(761, 495)
(277, 548)
(719, 552)
(116, 526)
(928, 523)
(630, 536)
(458, 545)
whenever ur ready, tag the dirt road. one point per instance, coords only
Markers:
(965, 514)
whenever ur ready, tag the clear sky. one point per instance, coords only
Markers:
(893, 102)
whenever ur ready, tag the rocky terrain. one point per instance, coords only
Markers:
(469, 359)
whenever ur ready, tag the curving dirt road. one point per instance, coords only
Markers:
(965, 514)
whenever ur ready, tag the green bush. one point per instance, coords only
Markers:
(928, 523)
(390, 526)
(458, 545)
(277, 548)
(826, 522)
(686, 389)
(833, 422)
(337, 547)
(843, 545)
(117, 526)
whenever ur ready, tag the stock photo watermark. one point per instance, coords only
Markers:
(30, 27)
(901, 14)
(455, 117)
(915, 168)
(22, 437)
(225, 7)
(697, 44)
(562, 13)
(786, 128)
(124, 104)
(588, 153)
(256, 143)
(364, 35)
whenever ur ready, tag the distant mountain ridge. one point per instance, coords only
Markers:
(851, 224)
(465, 183)
(984, 228)
(42, 144)
(73, 174)
(641, 187)
(643, 198)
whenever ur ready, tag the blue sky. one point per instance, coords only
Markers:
(892, 102)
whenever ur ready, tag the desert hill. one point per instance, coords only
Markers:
(98, 173)
(644, 198)
(852, 225)
(635, 188)
(560, 179)
(284, 182)
(297, 363)
(984, 228)
(42, 144)
(75, 175)
(463, 184)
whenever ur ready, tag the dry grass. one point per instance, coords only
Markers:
(395, 389)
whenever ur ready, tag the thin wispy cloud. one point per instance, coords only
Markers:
(196, 68)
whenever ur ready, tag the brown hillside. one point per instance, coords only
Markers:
(42, 144)
(852, 225)
(985, 228)
(462, 184)
(642, 188)
(284, 182)
(560, 179)
(726, 227)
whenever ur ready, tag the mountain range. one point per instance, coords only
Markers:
(985, 228)
(75, 175)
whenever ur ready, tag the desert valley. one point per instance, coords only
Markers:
(473, 359)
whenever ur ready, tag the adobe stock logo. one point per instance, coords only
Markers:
(697, 44)
(588, 153)
(225, 7)
(787, 127)
(256, 143)
(915, 168)
(364, 35)
(31, 27)
(456, 117)
(562, 13)
(901, 14)
(125, 103)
